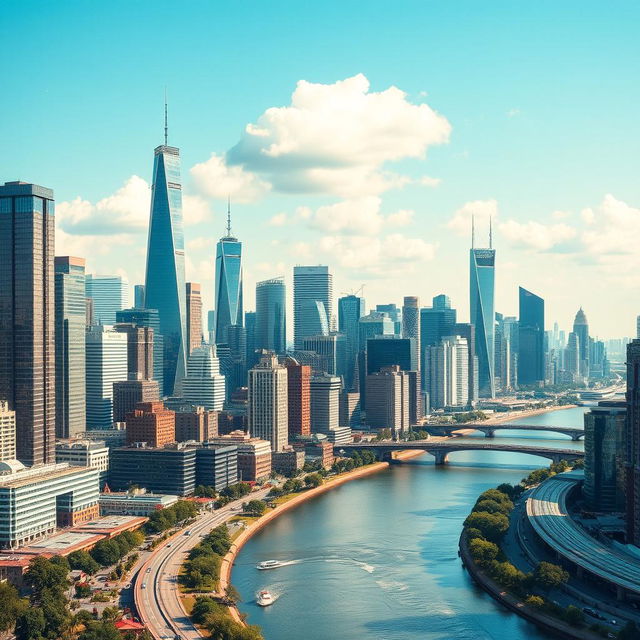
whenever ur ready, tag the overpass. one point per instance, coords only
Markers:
(575, 433)
(440, 449)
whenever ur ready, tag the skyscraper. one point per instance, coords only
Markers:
(581, 329)
(333, 351)
(139, 350)
(194, 317)
(411, 325)
(165, 284)
(203, 385)
(531, 369)
(325, 403)
(447, 373)
(70, 346)
(388, 400)
(7, 432)
(228, 289)
(268, 402)
(271, 309)
(481, 303)
(436, 322)
(106, 363)
(150, 422)
(250, 337)
(386, 351)
(312, 302)
(109, 294)
(27, 317)
(138, 296)
(394, 314)
(350, 310)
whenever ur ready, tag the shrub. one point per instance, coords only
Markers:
(482, 551)
(535, 601)
(492, 526)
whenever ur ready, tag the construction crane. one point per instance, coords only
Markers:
(353, 293)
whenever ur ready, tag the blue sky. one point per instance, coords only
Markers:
(536, 125)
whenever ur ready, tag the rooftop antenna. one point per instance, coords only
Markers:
(166, 122)
(490, 233)
(228, 216)
(473, 230)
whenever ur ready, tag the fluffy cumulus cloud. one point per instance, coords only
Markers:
(481, 211)
(535, 235)
(217, 179)
(332, 139)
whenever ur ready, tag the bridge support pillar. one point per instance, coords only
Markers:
(490, 433)
(575, 437)
(442, 457)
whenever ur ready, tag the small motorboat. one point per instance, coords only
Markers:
(265, 598)
(268, 564)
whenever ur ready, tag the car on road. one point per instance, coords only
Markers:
(144, 585)
(148, 569)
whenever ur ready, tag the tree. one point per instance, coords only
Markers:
(30, 624)
(511, 490)
(293, 485)
(106, 552)
(313, 480)
(630, 631)
(111, 613)
(491, 506)
(492, 526)
(12, 606)
(100, 631)
(43, 574)
(474, 533)
(483, 551)
(83, 561)
(549, 576)
(203, 607)
(255, 507)
(573, 615)
(534, 601)
(83, 590)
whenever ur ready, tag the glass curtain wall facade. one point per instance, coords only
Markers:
(350, 310)
(312, 302)
(531, 367)
(271, 325)
(165, 284)
(27, 317)
(228, 289)
(71, 308)
(481, 303)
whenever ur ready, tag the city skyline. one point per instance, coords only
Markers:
(570, 219)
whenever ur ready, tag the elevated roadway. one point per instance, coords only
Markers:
(489, 430)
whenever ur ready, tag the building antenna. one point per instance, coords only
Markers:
(166, 120)
(228, 216)
(490, 233)
(473, 230)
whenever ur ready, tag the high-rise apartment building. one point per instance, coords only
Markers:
(298, 397)
(394, 314)
(196, 423)
(70, 346)
(581, 329)
(138, 296)
(388, 400)
(632, 441)
(147, 318)
(271, 307)
(350, 309)
(436, 322)
(447, 373)
(250, 338)
(325, 403)
(312, 302)
(150, 422)
(106, 363)
(411, 325)
(386, 351)
(531, 364)
(27, 317)
(140, 346)
(204, 385)
(109, 294)
(7, 432)
(332, 349)
(194, 317)
(268, 402)
(481, 303)
(228, 287)
(165, 288)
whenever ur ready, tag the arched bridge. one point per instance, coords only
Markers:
(489, 430)
(440, 449)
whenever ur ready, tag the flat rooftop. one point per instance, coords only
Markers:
(110, 525)
(550, 518)
(60, 544)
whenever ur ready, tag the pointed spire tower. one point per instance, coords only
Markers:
(228, 283)
(165, 288)
(481, 304)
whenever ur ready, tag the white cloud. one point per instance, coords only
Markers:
(216, 179)
(616, 230)
(512, 113)
(357, 216)
(401, 218)
(534, 235)
(480, 210)
(428, 181)
(195, 209)
(278, 220)
(335, 139)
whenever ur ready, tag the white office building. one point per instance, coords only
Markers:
(204, 385)
(325, 403)
(447, 371)
(7, 432)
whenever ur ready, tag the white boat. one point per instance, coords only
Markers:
(265, 598)
(268, 564)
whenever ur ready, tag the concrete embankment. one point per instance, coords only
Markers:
(547, 623)
(252, 529)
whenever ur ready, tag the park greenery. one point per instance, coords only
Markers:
(484, 529)
(233, 492)
(254, 507)
(202, 568)
(164, 519)
(215, 618)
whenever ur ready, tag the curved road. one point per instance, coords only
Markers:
(157, 596)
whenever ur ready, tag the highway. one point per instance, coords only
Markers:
(157, 596)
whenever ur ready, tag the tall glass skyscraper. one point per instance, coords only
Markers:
(481, 303)
(350, 310)
(581, 329)
(71, 310)
(27, 317)
(228, 300)
(165, 284)
(530, 338)
(271, 323)
(109, 294)
(312, 302)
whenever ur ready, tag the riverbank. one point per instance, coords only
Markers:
(331, 483)
(545, 622)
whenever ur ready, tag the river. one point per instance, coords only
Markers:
(377, 557)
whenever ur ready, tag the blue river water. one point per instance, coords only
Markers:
(377, 557)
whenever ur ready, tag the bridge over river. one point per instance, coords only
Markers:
(440, 449)
(489, 430)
